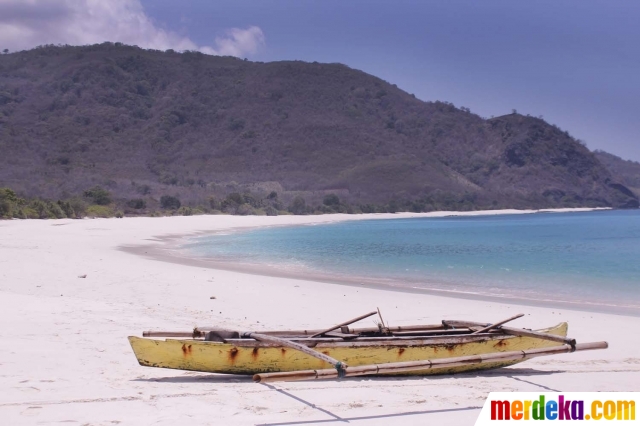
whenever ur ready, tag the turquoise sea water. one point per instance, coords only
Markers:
(589, 258)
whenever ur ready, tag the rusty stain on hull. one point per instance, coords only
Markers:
(233, 353)
(186, 350)
(451, 348)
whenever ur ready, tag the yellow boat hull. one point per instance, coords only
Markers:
(251, 358)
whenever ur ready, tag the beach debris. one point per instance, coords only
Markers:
(82, 276)
(212, 297)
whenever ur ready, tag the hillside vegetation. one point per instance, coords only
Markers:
(626, 171)
(222, 134)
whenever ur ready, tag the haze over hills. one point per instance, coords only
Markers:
(145, 123)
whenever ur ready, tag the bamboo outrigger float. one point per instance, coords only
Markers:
(340, 351)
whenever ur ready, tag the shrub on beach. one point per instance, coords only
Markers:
(99, 195)
(245, 210)
(169, 202)
(331, 200)
(65, 206)
(99, 211)
(214, 203)
(184, 211)
(54, 211)
(8, 203)
(137, 204)
(27, 213)
(189, 211)
(46, 209)
(298, 206)
(271, 211)
(79, 207)
(231, 203)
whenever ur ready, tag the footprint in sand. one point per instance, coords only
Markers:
(32, 411)
(29, 389)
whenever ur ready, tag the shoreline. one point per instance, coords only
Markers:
(69, 297)
(170, 251)
(260, 270)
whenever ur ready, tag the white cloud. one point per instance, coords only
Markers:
(238, 42)
(28, 23)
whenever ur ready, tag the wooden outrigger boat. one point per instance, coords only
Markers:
(340, 351)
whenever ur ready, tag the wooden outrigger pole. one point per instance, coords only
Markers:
(343, 324)
(339, 365)
(404, 367)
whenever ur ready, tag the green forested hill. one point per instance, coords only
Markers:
(142, 124)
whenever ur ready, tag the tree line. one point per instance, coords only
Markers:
(99, 202)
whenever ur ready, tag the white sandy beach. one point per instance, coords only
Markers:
(64, 356)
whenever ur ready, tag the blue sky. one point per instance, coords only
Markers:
(577, 63)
